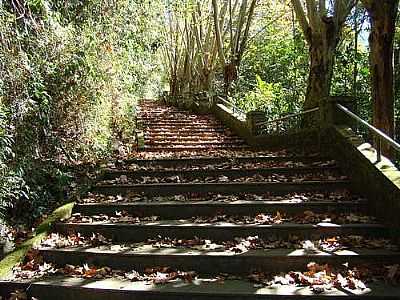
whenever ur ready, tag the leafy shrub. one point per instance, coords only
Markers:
(268, 97)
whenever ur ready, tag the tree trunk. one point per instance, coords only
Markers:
(322, 58)
(319, 80)
(383, 21)
(230, 75)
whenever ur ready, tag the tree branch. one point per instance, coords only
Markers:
(220, 45)
(246, 32)
(313, 16)
(301, 17)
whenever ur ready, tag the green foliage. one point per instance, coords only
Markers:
(343, 79)
(268, 97)
(279, 58)
(71, 73)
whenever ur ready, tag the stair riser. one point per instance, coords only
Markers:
(201, 188)
(231, 173)
(177, 211)
(120, 233)
(209, 265)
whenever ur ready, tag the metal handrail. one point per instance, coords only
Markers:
(288, 117)
(234, 107)
(381, 135)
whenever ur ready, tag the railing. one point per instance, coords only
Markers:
(235, 110)
(379, 135)
(286, 123)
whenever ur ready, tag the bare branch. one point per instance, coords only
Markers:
(301, 17)
(322, 8)
(246, 32)
(242, 16)
(313, 16)
(218, 32)
(342, 10)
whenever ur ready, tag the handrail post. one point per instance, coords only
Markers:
(378, 150)
(337, 116)
(325, 113)
(253, 118)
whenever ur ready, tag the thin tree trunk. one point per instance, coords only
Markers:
(355, 67)
(383, 24)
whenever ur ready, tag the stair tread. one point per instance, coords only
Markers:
(291, 199)
(280, 253)
(62, 287)
(242, 203)
(220, 170)
(171, 210)
(274, 188)
(261, 183)
(206, 160)
(224, 225)
(178, 147)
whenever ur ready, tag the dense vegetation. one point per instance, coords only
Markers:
(71, 73)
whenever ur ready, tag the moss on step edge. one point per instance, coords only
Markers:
(40, 234)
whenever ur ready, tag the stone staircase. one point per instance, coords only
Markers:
(210, 218)
(167, 127)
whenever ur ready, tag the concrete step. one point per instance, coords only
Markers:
(193, 138)
(180, 122)
(183, 121)
(336, 196)
(181, 148)
(194, 143)
(186, 229)
(230, 173)
(67, 288)
(167, 127)
(276, 188)
(162, 116)
(212, 262)
(194, 130)
(173, 210)
(189, 136)
(241, 158)
(164, 111)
